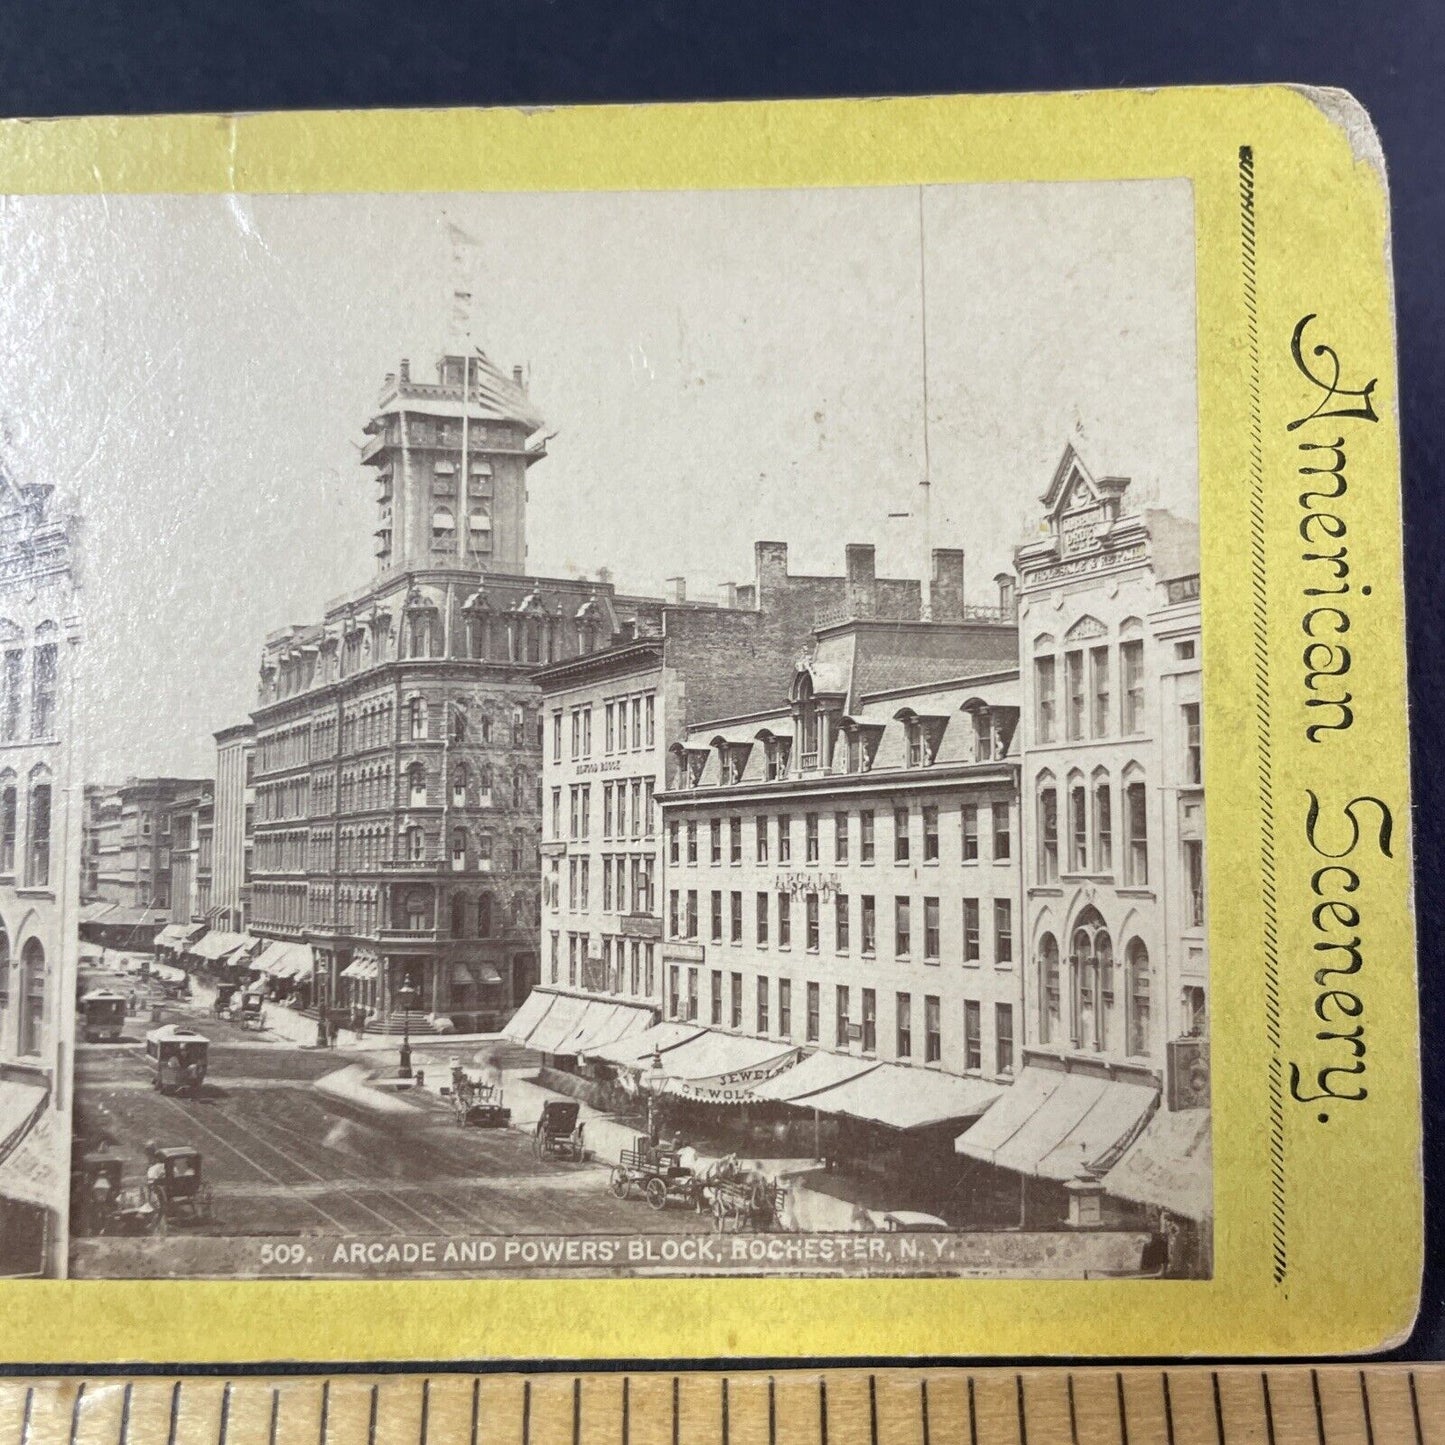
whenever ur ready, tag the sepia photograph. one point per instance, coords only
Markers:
(614, 734)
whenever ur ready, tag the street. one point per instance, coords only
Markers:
(286, 1157)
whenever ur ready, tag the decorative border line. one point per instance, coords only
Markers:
(1262, 718)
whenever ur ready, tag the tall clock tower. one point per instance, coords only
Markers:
(451, 458)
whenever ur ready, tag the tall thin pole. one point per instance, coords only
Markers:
(927, 483)
(464, 477)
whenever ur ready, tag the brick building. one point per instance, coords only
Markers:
(234, 823)
(397, 755)
(41, 813)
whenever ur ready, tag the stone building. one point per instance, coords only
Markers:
(234, 822)
(1115, 1024)
(397, 766)
(192, 834)
(41, 813)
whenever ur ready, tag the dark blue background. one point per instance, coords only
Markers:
(70, 57)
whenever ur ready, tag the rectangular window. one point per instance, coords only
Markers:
(1002, 832)
(1194, 880)
(840, 837)
(1078, 831)
(1131, 668)
(691, 920)
(735, 840)
(785, 920)
(900, 835)
(673, 918)
(674, 991)
(903, 1015)
(42, 712)
(869, 924)
(902, 930)
(932, 1030)
(870, 1021)
(930, 930)
(1193, 755)
(971, 941)
(785, 839)
(760, 825)
(814, 1011)
(763, 1024)
(810, 838)
(556, 812)
(840, 1034)
(636, 724)
(1103, 829)
(556, 737)
(716, 1014)
(611, 727)
(811, 911)
(716, 917)
(735, 918)
(692, 995)
(692, 840)
(1099, 691)
(785, 1007)
(1045, 703)
(715, 840)
(1074, 680)
(865, 838)
(969, 815)
(10, 705)
(972, 1036)
(1003, 1033)
(762, 920)
(735, 1013)
(1049, 836)
(930, 833)
(1003, 930)
(674, 843)
(1136, 835)
(840, 922)
(650, 713)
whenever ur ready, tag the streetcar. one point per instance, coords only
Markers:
(102, 1014)
(177, 1057)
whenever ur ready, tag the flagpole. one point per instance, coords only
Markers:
(927, 482)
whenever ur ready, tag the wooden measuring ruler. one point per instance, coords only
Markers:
(1184, 1405)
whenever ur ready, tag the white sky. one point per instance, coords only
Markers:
(194, 373)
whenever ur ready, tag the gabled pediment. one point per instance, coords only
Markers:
(1074, 488)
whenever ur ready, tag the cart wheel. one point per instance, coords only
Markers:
(617, 1183)
(656, 1193)
(203, 1204)
(717, 1214)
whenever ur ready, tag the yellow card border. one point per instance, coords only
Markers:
(1318, 1230)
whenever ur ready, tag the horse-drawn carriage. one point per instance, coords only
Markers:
(101, 1203)
(252, 1011)
(176, 1185)
(102, 1014)
(745, 1204)
(177, 1056)
(658, 1174)
(558, 1134)
(477, 1103)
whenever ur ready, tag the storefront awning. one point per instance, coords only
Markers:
(364, 965)
(635, 1051)
(721, 1068)
(1169, 1165)
(533, 1010)
(904, 1097)
(94, 912)
(32, 1172)
(215, 946)
(1058, 1125)
(179, 935)
(21, 1105)
(818, 1071)
(604, 1022)
(285, 960)
(558, 1022)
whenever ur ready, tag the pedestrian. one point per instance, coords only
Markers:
(360, 1022)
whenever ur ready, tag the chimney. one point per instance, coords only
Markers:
(771, 562)
(517, 378)
(946, 592)
(405, 369)
(604, 575)
(675, 589)
(860, 564)
(390, 379)
(1008, 605)
(728, 595)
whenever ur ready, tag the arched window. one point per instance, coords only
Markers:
(1078, 824)
(459, 786)
(1091, 948)
(416, 717)
(37, 853)
(1136, 831)
(1048, 806)
(414, 844)
(484, 916)
(416, 785)
(457, 723)
(9, 820)
(1049, 1019)
(1140, 1001)
(46, 669)
(443, 530)
(418, 908)
(1103, 823)
(459, 915)
(459, 849)
(32, 998)
(4, 971)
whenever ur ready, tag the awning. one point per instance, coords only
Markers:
(216, 946)
(904, 1097)
(534, 1009)
(33, 1171)
(179, 935)
(603, 1022)
(94, 912)
(285, 960)
(21, 1105)
(364, 965)
(818, 1071)
(117, 916)
(629, 1021)
(635, 1051)
(720, 1068)
(1169, 1165)
(487, 974)
(1058, 1125)
(566, 1012)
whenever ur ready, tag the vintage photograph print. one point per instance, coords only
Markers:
(628, 733)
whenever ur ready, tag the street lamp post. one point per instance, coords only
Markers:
(654, 1081)
(406, 996)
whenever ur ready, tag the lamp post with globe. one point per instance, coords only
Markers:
(654, 1084)
(406, 996)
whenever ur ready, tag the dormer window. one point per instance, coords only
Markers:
(775, 754)
(985, 743)
(920, 754)
(696, 762)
